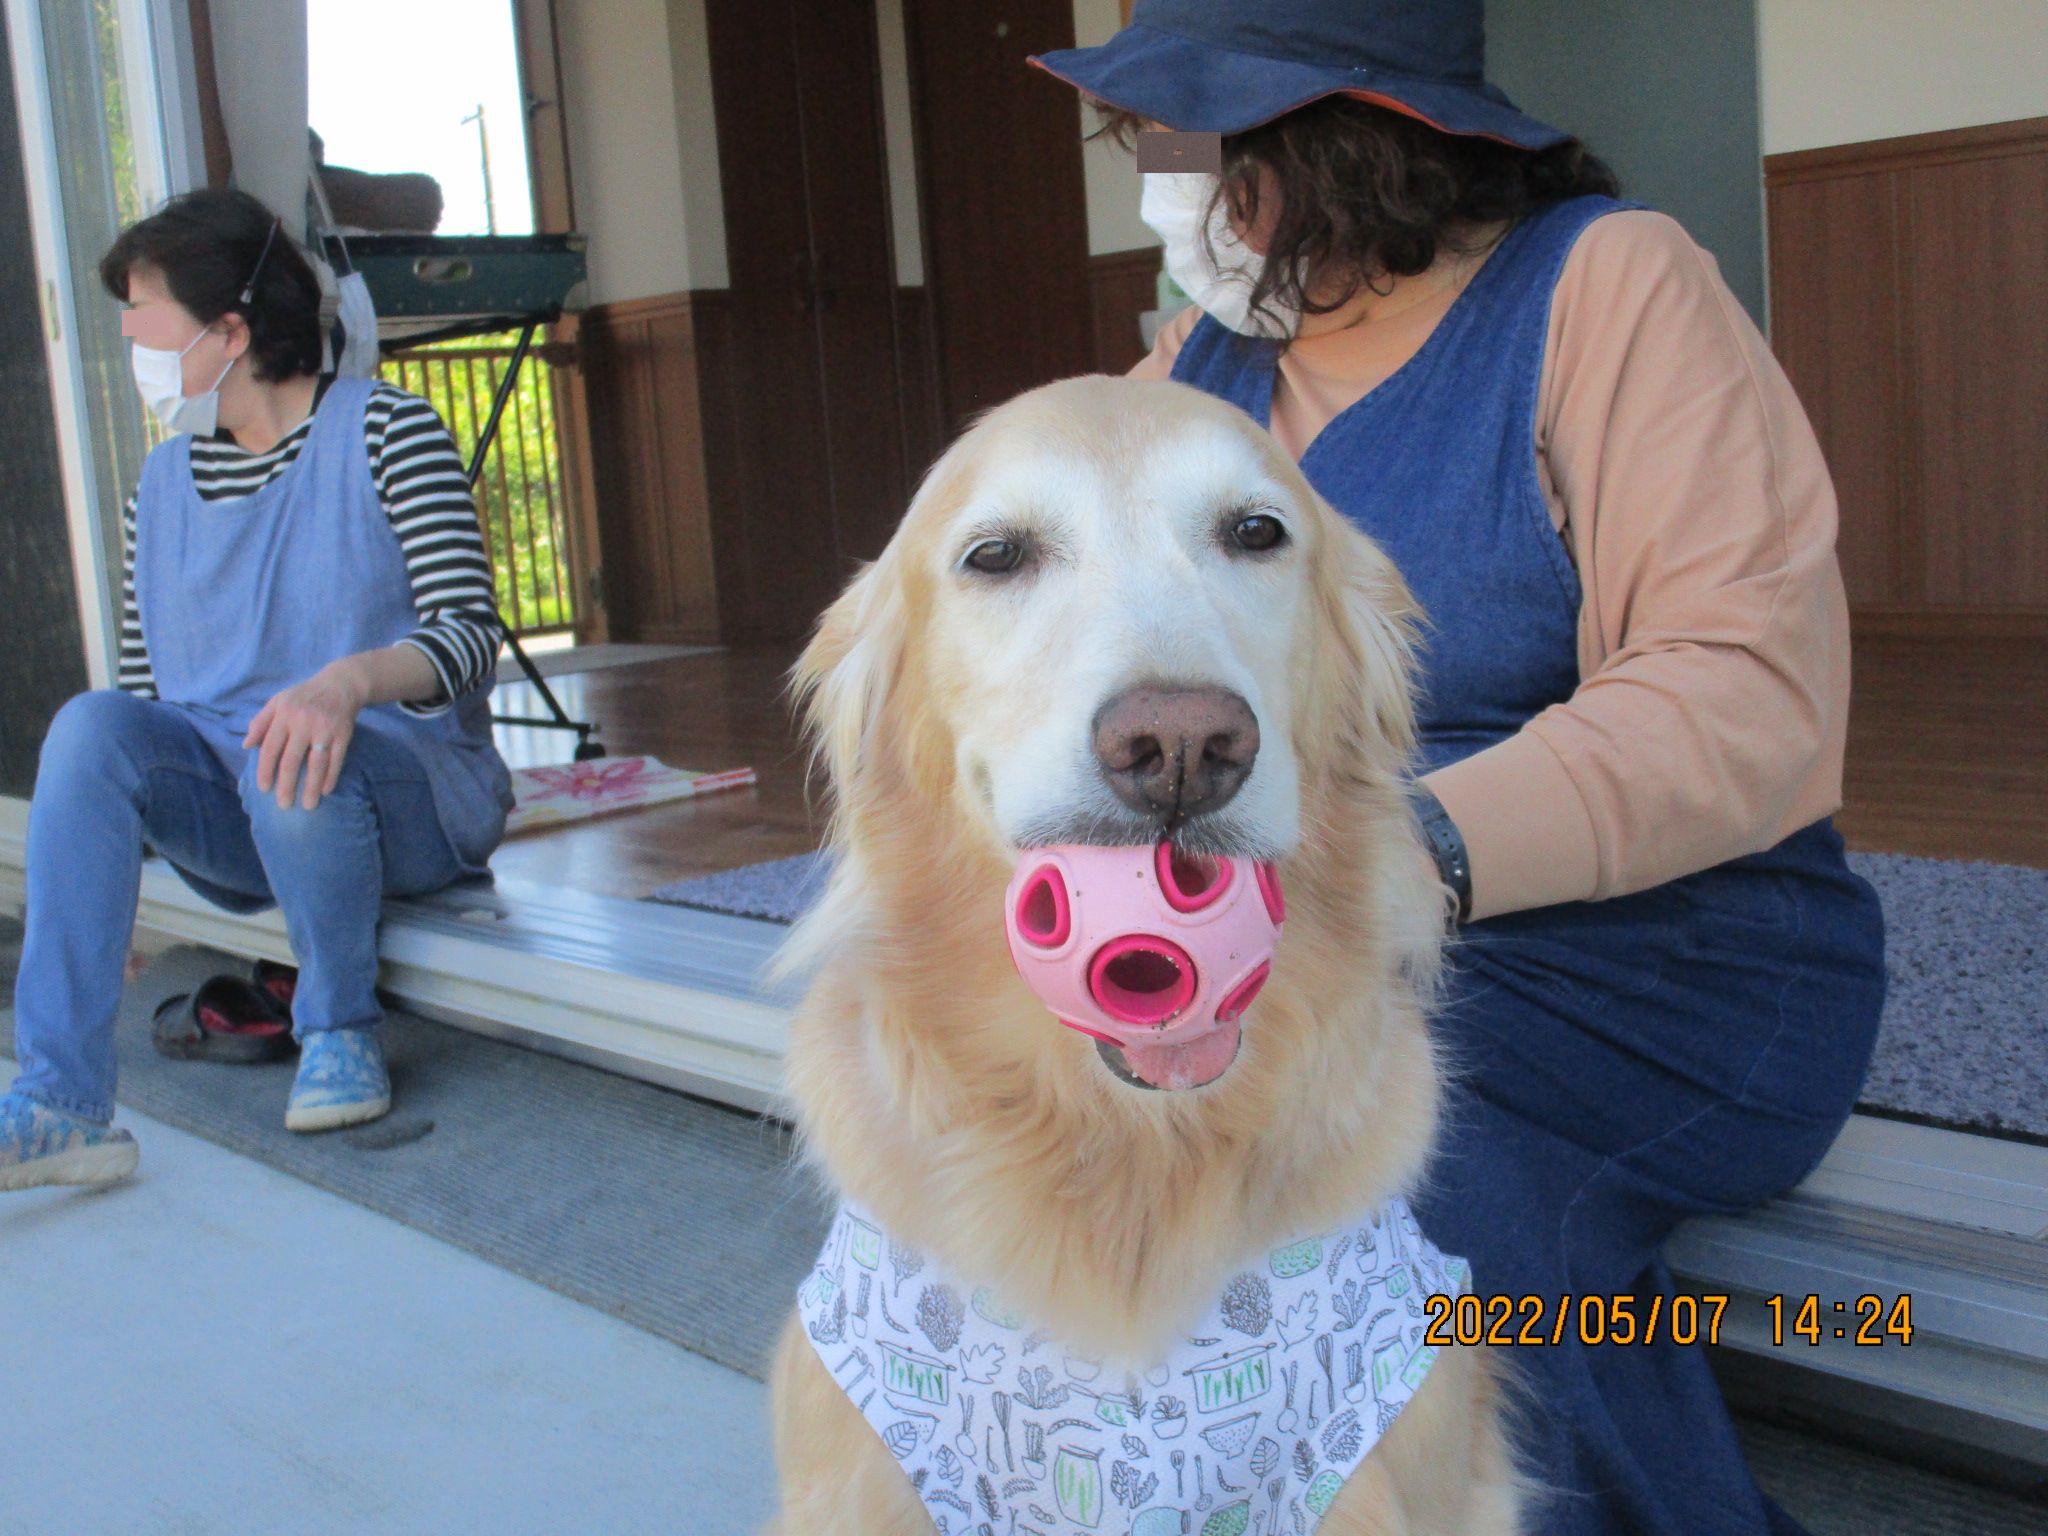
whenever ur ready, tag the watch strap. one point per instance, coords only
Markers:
(1447, 846)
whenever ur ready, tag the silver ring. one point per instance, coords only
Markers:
(320, 746)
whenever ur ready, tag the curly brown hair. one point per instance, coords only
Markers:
(1366, 194)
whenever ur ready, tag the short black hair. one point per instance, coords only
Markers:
(207, 244)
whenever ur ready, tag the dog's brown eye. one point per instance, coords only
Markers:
(996, 557)
(1257, 533)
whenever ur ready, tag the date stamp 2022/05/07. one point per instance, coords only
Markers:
(1869, 1319)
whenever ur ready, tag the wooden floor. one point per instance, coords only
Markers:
(1948, 749)
(1948, 758)
(724, 710)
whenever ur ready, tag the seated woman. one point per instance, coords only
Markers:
(308, 642)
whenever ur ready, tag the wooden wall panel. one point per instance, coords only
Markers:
(1978, 237)
(648, 452)
(1909, 304)
(1840, 336)
(1122, 285)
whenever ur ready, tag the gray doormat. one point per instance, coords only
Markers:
(1965, 1039)
(779, 890)
(1963, 1044)
(680, 1216)
(1836, 1489)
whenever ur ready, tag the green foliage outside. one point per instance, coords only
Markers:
(120, 139)
(520, 498)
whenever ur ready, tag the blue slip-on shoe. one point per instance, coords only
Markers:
(341, 1081)
(40, 1145)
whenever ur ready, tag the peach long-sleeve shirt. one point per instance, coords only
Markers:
(1713, 639)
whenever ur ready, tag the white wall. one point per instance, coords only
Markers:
(697, 136)
(1114, 182)
(1836, 73)
(625, 166)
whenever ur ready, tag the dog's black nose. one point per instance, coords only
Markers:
(1171, 752)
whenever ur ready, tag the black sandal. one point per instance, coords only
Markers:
(228, 1020)
(280, 981)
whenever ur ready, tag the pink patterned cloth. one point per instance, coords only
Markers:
(574, 791)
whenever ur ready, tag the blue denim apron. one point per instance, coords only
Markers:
(242, 599)
(1617, 1065)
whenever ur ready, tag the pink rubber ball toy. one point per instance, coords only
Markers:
(1148, 949)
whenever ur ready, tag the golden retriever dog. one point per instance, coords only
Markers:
(1090, 538)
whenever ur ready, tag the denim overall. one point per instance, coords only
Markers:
(304, 571)
(1620, 1065)
(239, 600)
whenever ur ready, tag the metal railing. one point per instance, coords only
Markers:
(521, 496)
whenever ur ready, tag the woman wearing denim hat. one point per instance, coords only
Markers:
(308, 642)
(1545, 404)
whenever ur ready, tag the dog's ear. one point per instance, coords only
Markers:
(841, 682)
(841, 686)
(1374, 629)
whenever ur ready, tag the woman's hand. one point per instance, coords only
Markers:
(309, 726)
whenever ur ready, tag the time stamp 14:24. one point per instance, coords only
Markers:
(1594, 1319)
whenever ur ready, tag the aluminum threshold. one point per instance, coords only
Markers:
(675, 996)
(667, 994)
(1959, 1223)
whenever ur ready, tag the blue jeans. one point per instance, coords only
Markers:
(1619, 1067)
(117, 770)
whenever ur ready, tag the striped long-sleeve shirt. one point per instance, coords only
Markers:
(420, 481)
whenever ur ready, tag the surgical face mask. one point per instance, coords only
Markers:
(160, 376)
(1173, 205)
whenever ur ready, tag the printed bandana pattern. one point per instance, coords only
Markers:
(1253, 1422)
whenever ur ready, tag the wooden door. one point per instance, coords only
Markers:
(818, 467)
(1004, 204)
(852, 272)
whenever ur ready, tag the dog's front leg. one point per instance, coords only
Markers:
(837, 1477)
(1444, 1468)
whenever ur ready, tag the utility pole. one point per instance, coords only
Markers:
(483, 149)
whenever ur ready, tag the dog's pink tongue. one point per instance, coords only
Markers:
(1189, 1065)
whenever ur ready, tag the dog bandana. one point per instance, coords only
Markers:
(1264, 1410)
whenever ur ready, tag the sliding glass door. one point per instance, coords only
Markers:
(93, 148)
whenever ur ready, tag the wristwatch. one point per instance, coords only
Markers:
(1447, 847)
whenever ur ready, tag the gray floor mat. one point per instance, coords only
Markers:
(680, 1216)
(1966, 951)
(1967, 954)
(1840, 1490)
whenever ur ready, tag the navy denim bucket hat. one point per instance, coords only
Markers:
(1223, 66)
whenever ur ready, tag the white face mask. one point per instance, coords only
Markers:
(160, 376)
(1173, 205)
